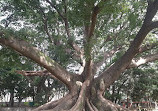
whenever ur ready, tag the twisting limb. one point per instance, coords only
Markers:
(109, 38)
(88, 47)
(77, 56)
(79, 51)
(66, 19)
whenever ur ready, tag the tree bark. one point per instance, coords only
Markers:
(34, 54)
(11, 101)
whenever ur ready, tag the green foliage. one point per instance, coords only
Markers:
(138, 84)
(9, 80)
(13, 82)
(145, 84)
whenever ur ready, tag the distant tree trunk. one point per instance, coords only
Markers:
(11, 101)
(113, 94)
(19, 101)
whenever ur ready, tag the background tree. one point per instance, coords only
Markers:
(145, 85)
(43, 88)
(138, 84)
(18, 86)
(102, 38)
(12, 83)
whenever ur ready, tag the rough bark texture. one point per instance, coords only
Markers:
(85, 91)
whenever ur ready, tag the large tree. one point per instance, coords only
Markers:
(101, 37)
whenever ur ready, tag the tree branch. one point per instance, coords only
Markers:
(115, 70)
(70, 39)
(34, 73)
(65, 19)
(53, 6)
(34, 54)
(93, 20)
(142, 60)
(45, 20)
(154, 25)
(147, 47)
(106, 56)
(88, 47)
(149, 2)
(151, 11)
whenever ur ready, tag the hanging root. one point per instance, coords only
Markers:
(110, 106)
(48, 105)
(79, 106)
(67, 103)
(91, 106)
(54, 104)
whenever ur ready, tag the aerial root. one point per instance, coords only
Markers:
(53, 104)
(67, 103)
(80, 103)
(91, 105)
(48, 105)
(110, 106)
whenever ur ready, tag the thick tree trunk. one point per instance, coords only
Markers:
(87, 98)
